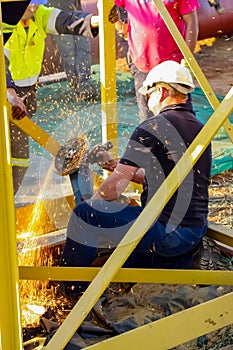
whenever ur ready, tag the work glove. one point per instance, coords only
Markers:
(86, 27)
(77, 23)
(100, 155)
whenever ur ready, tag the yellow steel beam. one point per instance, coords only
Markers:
(141, 225)
(220, 233)
(203, 82)
(128, 275)
(36, 133)
(176, 329)
(108, 76)
(10, 328)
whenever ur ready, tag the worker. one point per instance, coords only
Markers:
(154, 148)
(76, 53)
(24, 55)
(11, 14)
(149, 39)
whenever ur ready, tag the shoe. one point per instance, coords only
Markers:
(208, 256)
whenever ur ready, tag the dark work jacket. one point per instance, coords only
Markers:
(156, 145)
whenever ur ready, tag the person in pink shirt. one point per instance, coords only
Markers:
(149, 39)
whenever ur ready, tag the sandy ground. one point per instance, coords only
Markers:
(216, 62)
(215, 58)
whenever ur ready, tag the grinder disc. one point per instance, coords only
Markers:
(70, 155)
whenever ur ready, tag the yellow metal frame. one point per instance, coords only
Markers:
(176, 329)
(108, 77)
(10, 332)
(187, 324)
(141, 225)
(36, 133)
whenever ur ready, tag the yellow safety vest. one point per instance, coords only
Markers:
(8, 28)
(25, 48)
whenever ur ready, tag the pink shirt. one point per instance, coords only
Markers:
(150, 42)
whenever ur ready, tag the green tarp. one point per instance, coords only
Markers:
(64, 118)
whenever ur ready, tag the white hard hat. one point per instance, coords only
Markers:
(172, 73)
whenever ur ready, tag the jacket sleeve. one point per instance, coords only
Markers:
(9, 81)
(75, 23)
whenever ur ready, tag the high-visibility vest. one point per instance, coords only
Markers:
(25, 47)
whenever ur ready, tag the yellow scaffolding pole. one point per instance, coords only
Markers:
(108, 76)
(224, 278)
(176, 329)
(107, 273)
(36, 133)
(10, 327)
(210, 95)
(141, 225)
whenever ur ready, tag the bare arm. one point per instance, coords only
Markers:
(106, 162)
(138, 177)
(116, 183)
(191, 34)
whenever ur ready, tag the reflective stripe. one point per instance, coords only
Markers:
(6, 52)
(52, 21)
(27, 81)
(8, 28)
(20, 162)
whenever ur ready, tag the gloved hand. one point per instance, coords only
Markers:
(100, 155)
(86, 25)
(86, 28)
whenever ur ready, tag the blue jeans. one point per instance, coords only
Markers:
(101, 224)
(77, 58)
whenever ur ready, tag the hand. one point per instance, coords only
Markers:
(88, 23)
(99, 155)
(122, 29)
(18, 109)
(113, 16)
